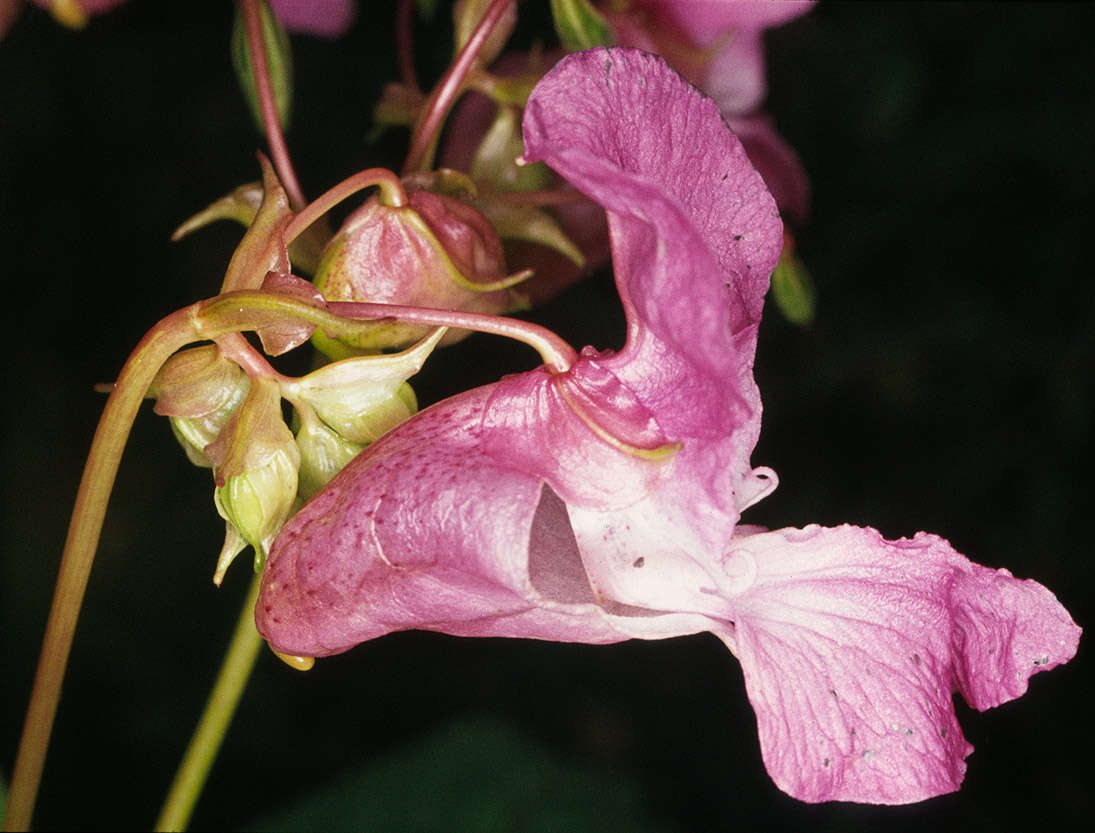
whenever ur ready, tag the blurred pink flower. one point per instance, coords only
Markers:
(326, 18)
(602, 503)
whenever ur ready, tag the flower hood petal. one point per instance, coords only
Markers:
(852, 647)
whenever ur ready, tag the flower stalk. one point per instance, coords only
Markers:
(279, 151)
(448, 89)
(217, 715)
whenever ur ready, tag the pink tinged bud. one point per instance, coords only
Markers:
(198, 389)
(852, 647)
(436, 251)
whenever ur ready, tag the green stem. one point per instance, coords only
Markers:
(219, 709)
(103, 460)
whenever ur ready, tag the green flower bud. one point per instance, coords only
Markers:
(363, 398)
(323, 454)
(257, 503)
(198, 389)
(255, 463)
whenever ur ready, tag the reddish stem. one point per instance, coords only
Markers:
(391, 190)
(279, 151)
(404, 40)
(444, 95)
(556, 353)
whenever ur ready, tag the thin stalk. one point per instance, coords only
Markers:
(219, 709)
(404, 42)
(391, 194)
(103, 460)
(444, 95)
(279, 151)
(252, 309)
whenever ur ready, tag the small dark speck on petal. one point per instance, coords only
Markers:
(943, 732)
(737, 237)
(825, 762)
(640, 561)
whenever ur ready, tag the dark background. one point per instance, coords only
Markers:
(946, 385)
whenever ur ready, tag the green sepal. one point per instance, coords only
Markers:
(530, 224)
(241, 205)
(579, 25)
(279, 58)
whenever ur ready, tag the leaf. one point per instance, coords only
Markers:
(279, 59)
(476, 774)
(579, 25)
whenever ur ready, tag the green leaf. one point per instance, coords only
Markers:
(427, 9)
(476, 775)
(579, 25)
(793, 289)
(279, 58)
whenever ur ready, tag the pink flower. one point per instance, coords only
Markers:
(326, 18)
(602, 503)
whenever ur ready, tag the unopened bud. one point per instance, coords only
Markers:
(198, 389)
(257, 503)
(363, 398)
(435, 251)
(323, 454)
(255, 463)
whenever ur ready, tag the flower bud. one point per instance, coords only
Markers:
(198, 389)
(363, 398)
(257, 503)
(435, 251)
(323, 454)
(255, 463)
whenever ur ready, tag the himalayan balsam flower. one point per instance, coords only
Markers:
(602, 503)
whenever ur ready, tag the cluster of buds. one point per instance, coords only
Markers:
(232, 423)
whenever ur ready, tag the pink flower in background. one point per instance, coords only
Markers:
(603, 502)
(325, 18)
(719, 46)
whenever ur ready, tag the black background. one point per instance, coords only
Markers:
(946, 385)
